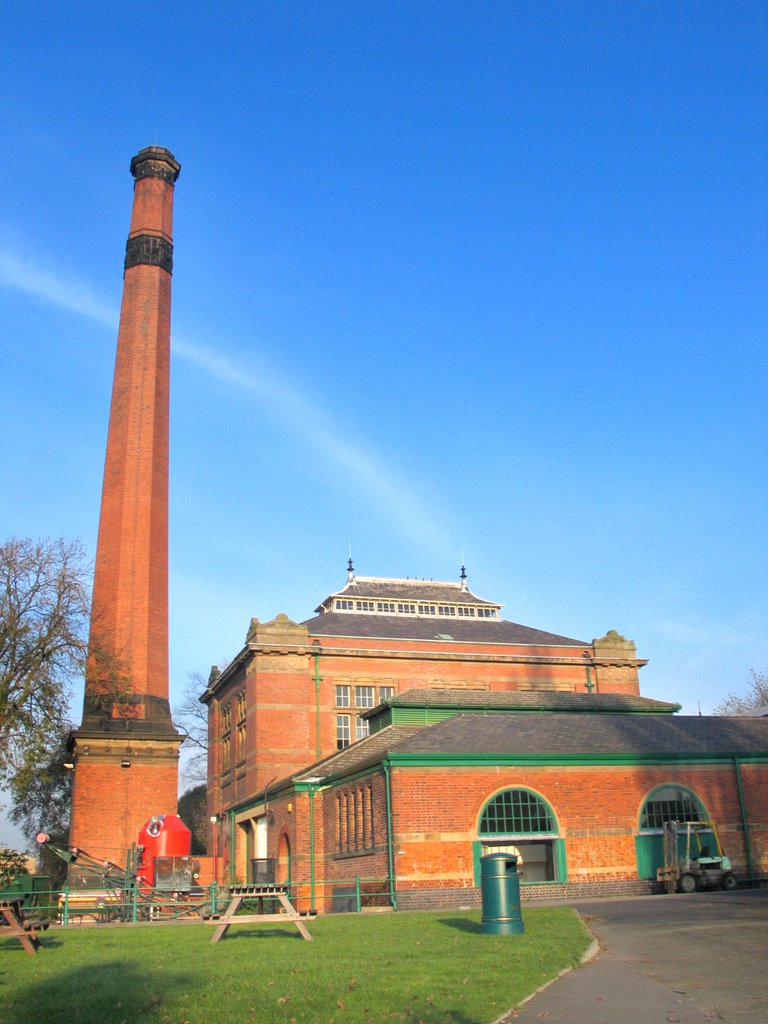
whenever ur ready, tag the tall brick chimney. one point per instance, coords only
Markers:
(126, 750)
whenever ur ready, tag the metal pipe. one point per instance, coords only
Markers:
(312, 847)
(232, 847)
(390, 839)
(744, 822)
(318, 678)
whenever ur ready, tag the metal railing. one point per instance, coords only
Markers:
(76, 906)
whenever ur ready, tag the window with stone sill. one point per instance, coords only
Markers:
(342, 696)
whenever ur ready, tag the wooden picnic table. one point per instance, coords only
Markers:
(238, 893)
(20, 928)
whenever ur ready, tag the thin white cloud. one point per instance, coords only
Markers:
(316, 428)
(65, 293)
(285, 404)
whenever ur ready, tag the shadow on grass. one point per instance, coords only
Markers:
(237, 931)
(463, 924)
(113, 991)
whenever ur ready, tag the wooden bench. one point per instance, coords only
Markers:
(13, 918)
(239, 893)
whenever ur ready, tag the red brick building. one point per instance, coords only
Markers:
(374, 752)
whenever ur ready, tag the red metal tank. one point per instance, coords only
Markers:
(164, 835)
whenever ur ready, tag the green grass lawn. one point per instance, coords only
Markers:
(431, 968)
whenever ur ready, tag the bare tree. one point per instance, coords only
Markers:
(755, 699)
(44, 606)
(191, 719)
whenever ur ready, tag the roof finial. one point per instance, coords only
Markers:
(463, 578)
(350, 567)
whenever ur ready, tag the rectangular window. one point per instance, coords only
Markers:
(406, 609)
(486, 613)
(386, 693)
(364, 697)
(446, 609)
(365, 606)
(385, 606)
(427, 609)
(342, 732)
(342, 696)
(467, 613)
(344, 605)
(362, 728)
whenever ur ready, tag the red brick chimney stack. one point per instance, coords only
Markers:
(126, 750)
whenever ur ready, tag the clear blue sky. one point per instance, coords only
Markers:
(452, 280)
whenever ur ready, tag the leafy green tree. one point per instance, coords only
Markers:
(753, 700)
(12, 864)
(42, 802)
(193, 811)
(44, 607)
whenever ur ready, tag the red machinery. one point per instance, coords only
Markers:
(164, 861)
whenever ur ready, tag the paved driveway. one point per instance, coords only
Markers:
(662, 959)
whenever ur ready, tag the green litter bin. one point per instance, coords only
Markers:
(500, 890)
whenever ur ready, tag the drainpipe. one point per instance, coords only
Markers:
(318, 678)
(587, 658)
(312, 789)
(312, 848)
(390, 838)
(232, 847)
(744, 823)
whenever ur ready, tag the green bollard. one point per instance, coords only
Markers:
(500, 890)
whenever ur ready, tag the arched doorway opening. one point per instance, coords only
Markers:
(284, 860)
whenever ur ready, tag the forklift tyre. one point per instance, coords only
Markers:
(687, 883)
(729, 881)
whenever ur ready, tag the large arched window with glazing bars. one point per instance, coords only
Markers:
(520, 822)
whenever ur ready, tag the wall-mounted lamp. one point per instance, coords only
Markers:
(214, 818)
(290, 808)
(125, 763)
(69, 765)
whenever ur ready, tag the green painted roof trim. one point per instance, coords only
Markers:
(397, 760)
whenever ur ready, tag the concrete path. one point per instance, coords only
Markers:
(664, 960)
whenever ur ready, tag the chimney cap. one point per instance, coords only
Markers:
(154, 155)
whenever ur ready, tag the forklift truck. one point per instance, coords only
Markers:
(701, 864)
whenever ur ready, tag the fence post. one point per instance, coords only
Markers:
(213, 896)
(65, 909)
(358, 901)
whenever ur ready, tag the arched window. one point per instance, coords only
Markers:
(670, 803)
(517, 812)
(519, 822)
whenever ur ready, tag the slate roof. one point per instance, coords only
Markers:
(556, 736)
(373, 748)
(527, 700)
(382, 589)
(406, 627)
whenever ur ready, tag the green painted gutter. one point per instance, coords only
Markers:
(744, 823)
(390, 838)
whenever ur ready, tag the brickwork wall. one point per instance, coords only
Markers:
(436, 814)
(112, 804)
